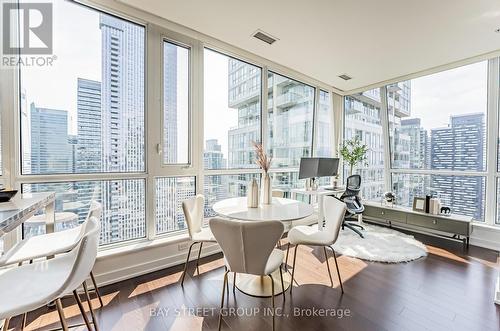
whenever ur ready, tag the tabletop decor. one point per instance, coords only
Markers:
(264, 162)
(253, 194)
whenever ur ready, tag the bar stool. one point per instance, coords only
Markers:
(51, 244)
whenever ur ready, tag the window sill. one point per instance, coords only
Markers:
(144, 244)
(494, 228)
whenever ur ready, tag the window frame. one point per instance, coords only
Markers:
(189, 46)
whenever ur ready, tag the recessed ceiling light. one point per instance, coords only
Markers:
(497, 30)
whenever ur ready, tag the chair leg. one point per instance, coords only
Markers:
(96, 289)
(198, 259)
(60, 311)
(272, 298)
(328, 266)
(293, 267)
(282, 284)
(23, 323)
(89, 302)
(82, 310)
(234, 282)
(338, 271)
(6, 324)
(186, 264)
(286, 259)
(222, 300)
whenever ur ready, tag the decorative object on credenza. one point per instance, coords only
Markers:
(419, 204)
(389, 198)
(427, 203)
(435, 206)
(353, 152)
(253, 194)
(7, 194)
(264, 162)
(445, 211)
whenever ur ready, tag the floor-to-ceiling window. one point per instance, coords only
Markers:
(437, 127)
(85, 115)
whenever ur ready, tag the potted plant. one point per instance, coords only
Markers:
(264, 162)
(353, 151)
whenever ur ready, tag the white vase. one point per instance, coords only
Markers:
(253, 194)
(266, 190)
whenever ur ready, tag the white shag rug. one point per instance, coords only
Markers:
(380, 244)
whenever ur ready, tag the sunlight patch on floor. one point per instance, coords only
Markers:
(446, 254)
(70, 311)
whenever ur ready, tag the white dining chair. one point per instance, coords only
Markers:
(334, 211)
(52, 244)
(248, 248)
(193, 209)
(31, 286)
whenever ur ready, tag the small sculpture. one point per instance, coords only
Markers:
(390, 198)
(445, 210)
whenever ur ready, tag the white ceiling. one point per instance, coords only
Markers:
(370, 40)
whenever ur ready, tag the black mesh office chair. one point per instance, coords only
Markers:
(353, 203)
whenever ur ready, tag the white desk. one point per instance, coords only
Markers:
(318, 194)
(284, 210)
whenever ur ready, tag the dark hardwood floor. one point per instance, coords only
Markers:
(447, 290)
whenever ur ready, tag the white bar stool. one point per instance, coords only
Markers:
(28, 287)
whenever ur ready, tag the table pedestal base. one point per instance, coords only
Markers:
(260, 286)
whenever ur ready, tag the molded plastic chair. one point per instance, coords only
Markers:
(248, 248)
(52, 244)
(193, 212)
(334, 211)
(28, 287)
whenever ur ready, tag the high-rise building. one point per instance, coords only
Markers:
(122, 120)
(25, 133)
(363, 119)
(460, 146)
(170, 140)
(50, 148)
(215, 186)
(419, 143)
(89, 126)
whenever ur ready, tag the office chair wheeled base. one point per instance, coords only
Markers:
(353, 227)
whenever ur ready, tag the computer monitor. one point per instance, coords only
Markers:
(312, 167)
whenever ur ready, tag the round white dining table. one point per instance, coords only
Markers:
(283, 210)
